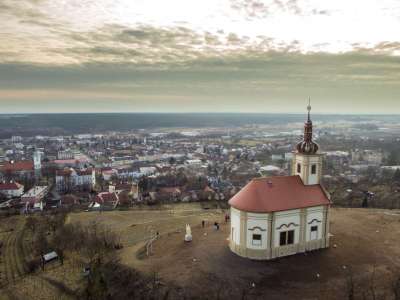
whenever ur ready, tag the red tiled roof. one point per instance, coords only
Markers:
(22, 165)
(106, 197)
(68, 171)
(70, 161)
(4, 186)
(64, 172)
(278, 193)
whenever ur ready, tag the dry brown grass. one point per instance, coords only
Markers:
(366, 242)
(135, 226)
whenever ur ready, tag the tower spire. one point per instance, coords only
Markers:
(307, 145)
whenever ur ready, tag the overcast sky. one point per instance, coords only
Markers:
(199, 56)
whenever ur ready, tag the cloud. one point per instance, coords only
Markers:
(143, 44)
(263, 9)
(242, 82)
(151, 45)
(382, 48)
(293, 69)
(52, 32)
(238, 50)
(250, 8)
(21, 9)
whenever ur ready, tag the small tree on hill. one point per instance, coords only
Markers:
(396, 176)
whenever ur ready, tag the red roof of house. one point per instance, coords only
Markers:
(70, 161)
(106, 197)
(68, 171)
(4, 186)
(278, 193)
(22, 165)
(64, 172)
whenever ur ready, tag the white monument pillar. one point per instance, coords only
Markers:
(188, 235)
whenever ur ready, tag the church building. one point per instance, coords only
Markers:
(283, 215)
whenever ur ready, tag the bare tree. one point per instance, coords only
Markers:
(350, 284)
(396, 288)
(31, 223)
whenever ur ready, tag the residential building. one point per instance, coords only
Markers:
(65, 154)
(11, 189)
(16, 139)
(105, 200)
(17, 168)
(70, 179)
(34, 197)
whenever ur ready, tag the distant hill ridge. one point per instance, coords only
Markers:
(26, 124)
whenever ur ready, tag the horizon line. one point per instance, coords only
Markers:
(203, 112)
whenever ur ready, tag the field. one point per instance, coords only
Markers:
(364, 249)
(15, 280)
(364, 256)
(136, 226)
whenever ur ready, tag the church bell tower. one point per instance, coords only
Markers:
(37, 160)
(307, 162)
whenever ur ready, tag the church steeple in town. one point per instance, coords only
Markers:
(307, 145)
(307, 162)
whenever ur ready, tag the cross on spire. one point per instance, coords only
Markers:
(307, 145)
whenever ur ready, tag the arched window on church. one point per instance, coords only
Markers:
(298, 168)
(314, 169)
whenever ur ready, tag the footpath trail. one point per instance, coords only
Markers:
(14, 264)
(15, 280)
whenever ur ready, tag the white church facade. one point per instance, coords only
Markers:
(283, 215)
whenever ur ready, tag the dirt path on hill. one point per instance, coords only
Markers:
(13, 261)
(15, 280)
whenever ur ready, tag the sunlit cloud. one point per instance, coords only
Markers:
(231, 50)
(39, 31)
